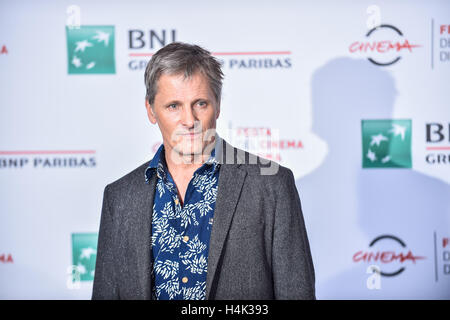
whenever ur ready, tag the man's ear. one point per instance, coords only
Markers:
(150, 112)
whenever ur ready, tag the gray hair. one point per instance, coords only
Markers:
(183, 58)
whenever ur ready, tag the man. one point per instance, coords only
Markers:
(202, 219)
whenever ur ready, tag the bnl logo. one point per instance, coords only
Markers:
(139, 39)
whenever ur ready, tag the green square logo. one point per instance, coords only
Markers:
(84, 254)
(386, 143)
(90, 50)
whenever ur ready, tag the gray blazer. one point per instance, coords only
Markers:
(258, 248)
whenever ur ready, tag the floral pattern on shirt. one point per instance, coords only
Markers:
(181, 234)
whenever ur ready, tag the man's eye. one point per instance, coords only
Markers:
(172, 106)
(202, 103)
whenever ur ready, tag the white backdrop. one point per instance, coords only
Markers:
(298, 73)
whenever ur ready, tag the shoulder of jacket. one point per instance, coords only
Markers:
(128, 180)
(257, 166)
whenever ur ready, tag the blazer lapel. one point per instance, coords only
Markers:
(231, 180)
(141, 236)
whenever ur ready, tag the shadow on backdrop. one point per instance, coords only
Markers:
(345, 204)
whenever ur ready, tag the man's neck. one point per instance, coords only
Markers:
(182, 168)
(183, 165)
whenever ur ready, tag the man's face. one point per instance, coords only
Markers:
(186, 111)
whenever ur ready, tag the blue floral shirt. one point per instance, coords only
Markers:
(181, 234)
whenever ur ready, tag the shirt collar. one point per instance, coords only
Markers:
(159, 160)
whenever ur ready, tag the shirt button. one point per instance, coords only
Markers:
(176, 201)
(186, 238)
(185, 279)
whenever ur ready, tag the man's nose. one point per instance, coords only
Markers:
(188, 117)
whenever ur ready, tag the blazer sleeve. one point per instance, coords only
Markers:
(292, 266)
(105, 284)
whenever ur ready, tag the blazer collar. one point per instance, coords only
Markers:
(231, 180)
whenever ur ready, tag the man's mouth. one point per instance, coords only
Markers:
(190, 134)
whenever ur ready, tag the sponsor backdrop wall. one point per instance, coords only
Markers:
(352, 96)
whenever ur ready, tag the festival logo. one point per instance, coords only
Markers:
(388, 252)
(384, 45)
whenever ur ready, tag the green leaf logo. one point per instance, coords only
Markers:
(84, 254)
(90, 50)
(386, 143)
